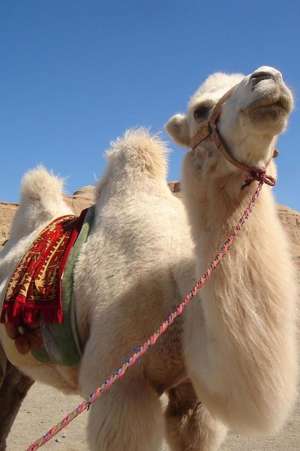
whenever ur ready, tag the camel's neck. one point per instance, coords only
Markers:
(214, 198)
(247, 307)
(244, 278)
(214, 220)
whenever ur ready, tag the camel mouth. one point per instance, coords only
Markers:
(273, 111)
(269, 104)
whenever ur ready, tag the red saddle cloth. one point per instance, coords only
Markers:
(34, 290)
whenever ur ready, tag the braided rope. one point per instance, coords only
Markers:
(140, 351)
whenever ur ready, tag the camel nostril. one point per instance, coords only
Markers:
(261, 75)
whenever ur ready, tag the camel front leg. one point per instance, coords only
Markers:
(189, 425)
(13, 389)
(128, 417)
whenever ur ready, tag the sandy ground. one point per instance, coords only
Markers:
(45, 406)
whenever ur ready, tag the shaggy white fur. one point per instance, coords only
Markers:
(134, 268)
(240, 341)
(237, 343)
(41, 200)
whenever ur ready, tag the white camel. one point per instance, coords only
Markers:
(232, 361)
(240, 342)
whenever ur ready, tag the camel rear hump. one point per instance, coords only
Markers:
(39, 185)
(41, 201)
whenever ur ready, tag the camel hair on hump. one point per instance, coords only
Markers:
(231, 361)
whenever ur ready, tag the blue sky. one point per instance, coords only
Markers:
(75, 74)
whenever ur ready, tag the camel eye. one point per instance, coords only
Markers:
(202, 111)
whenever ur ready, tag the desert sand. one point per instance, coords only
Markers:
(44, 406)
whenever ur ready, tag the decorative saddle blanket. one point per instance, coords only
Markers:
(40, 291)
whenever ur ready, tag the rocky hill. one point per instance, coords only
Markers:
(84, 197)
(7, 212)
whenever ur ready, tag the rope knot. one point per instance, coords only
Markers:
(260, 176)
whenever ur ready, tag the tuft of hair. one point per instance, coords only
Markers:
(41, 201)
(140, 152)
(39, 185)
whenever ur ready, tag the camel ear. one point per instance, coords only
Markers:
(178, 128)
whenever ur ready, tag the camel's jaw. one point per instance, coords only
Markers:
(270, 110)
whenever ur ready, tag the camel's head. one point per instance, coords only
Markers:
(251, 117)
